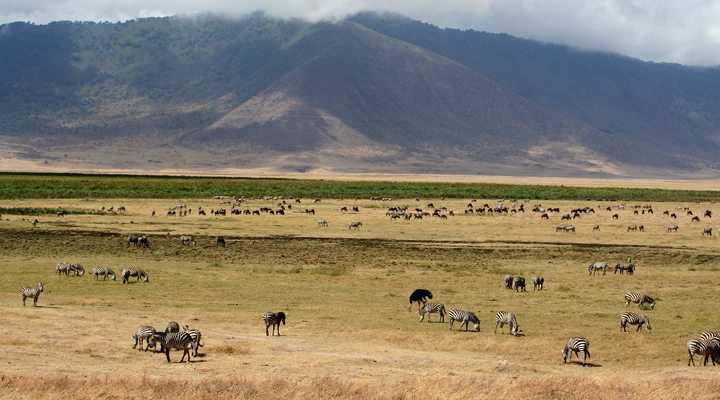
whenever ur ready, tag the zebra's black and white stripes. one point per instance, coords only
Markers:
(430, 308)
(67, 267)
(464, 317)
(538, 282)
(503, 318)
(32, 291)
(174, 341)
(196, 336)
(634, 319)
(104, 272)
(273, 319)
(639, 298)
(577, 345)
(143, 332)
(707, 347)
(128, 272)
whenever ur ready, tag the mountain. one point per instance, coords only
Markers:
(371, 93)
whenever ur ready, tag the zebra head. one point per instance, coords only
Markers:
(113, 276)
(135, 340)
(514, 329)
(566, 353)
(647, 324)
(281, 317)
(477, 326)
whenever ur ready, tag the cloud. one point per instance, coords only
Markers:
(659, 30)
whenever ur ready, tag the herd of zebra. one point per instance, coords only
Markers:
(464, 317)
(78, 270)
(169, 339)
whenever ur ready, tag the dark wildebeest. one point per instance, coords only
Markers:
(419, 296)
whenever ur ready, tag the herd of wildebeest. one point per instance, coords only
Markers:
(707, 345)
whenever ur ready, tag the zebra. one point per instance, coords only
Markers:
(519, 284)
(596, 266)
(707, 231)
(34, 292)
(508, 281)
(538, 282)
(105, 272)
(634, 319)
(173, 340)
(464, 317)
(355, 225)
(128, 272)
(708, 347)
(430, 308)
(626, 266)
(503, 318)
(323, 223)
(672, 228)
(640, 299)
(62, 267)
(576, 345)
(143, 332)
(273, 319)
(709, 335)
(187, 240)
(196, 336)
(172, 326)
(77, 269)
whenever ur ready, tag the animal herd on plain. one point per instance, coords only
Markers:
(707, 345)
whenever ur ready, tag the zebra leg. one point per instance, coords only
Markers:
(452, 321)
(623, 326)
(35, 301)
(278, 326)
(442, 316)
(690, 358)
(24, 297)
(167, 353)
(267, 328)
(496, 325)
(639, 327)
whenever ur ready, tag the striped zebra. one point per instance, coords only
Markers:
(709, 335)
(634, 319)
(172, 326)
(430, 308)
(77, 269)
(196, 336)
(173, 341)
(62, 268)
(708, 347)
(503, 318)
(128, 272)
(105, 272)
(597, 266)
(538, 282)
(355, 225)
(576, 345)
(34, 292)
(143, 332)
(465, 317)
(273, 319)
(639, 298)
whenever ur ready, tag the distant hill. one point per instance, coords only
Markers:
(372, 93)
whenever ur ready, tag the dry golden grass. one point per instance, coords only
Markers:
(349, 334)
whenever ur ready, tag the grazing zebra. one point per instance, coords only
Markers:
(709, 347)
(174, 340)
(419, 296)
(128, 272)
(508, 281)
(503, 318)
(626, 266)
(639, 298)
(77, 269)
(196, 336)
(634, 319)
(576, 345)
(143, 332)
(430, 308)
(323, 223)
(597, 266)
(105, 272)
(187, 240)
(464, 317)
(62, 267)
(538, 282)
(672, 228)
(519, 284)
(172, 326)
(355, 225)
(273, 319)
(34, 292)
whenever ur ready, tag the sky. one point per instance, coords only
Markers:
(686, 32)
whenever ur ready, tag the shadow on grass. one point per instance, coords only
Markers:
(48, 307)
(589, 365)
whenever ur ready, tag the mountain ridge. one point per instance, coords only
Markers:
(371, 93)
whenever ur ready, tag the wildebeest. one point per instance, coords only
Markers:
(322, 222)
(419, 296)
(707, 231)
(220, 241)
(596, 228)
(672, 228)
(615, 216)
(538, 282)
(355, 225)
(508, 281)
(519, 284)
(626, 266)
(708, 214)
(695, 219)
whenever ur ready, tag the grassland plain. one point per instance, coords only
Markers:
(349, 333)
